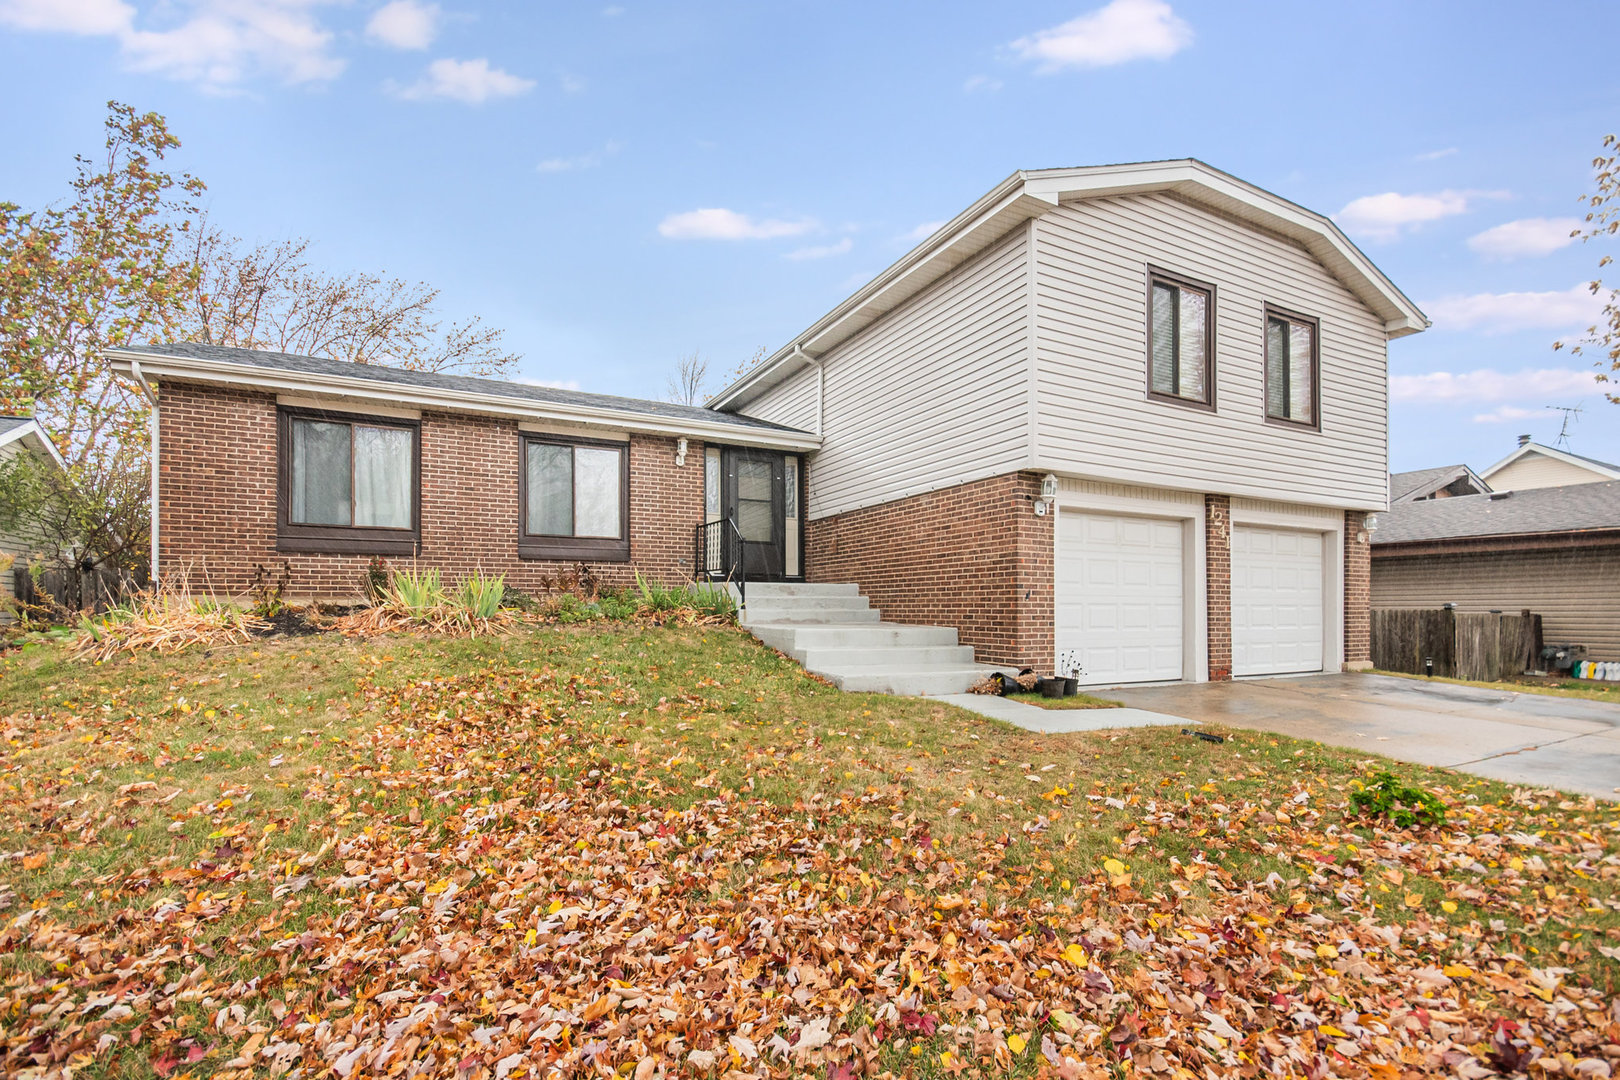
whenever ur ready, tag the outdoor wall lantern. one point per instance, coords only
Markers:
(680, 452)
(1049, 491)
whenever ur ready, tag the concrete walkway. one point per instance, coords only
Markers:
(1055, 721)
(1532, 739)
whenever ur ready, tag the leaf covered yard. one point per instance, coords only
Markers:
(642, 851)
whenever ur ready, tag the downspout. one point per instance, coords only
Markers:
(151, 398)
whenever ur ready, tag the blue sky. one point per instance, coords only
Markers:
(546, 164)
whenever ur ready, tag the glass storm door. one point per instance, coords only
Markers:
(752, 495)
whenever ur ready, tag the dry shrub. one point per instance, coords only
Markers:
(417, 601)
(164, 620)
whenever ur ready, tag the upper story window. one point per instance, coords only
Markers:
(347, 483)
(1293, 381)
(575, 499)
(1181, 339)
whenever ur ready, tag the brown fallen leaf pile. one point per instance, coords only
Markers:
(506, 902)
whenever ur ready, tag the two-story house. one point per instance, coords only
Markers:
(1126, 419)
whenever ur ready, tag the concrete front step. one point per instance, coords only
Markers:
(796, 639)
(759, 612)
(759, 590)
(912, 682)
(822, 661)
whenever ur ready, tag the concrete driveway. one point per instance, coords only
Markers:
(1532, 739)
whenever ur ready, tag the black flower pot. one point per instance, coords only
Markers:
(1052, 688)
(1071, 687)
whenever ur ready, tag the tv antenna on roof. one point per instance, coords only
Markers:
(1572, 414)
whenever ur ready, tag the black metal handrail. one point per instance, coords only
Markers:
(720, 554)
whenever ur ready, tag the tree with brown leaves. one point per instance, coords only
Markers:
(1602, 339)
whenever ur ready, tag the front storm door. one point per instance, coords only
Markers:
(753, 498)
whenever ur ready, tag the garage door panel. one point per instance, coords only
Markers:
(1119, 603)
(1277, 601)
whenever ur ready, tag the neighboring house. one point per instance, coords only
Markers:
(21, 435)
(1130, 415)
(1442, 483)
(1532, 465)
(1554, 550)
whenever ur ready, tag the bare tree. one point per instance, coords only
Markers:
(267, 296)
(1602, 339)
(686, 385)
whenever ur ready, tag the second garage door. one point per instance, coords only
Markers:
(1277, 606)
(1119, 597)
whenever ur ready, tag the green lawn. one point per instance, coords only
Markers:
(236, 860)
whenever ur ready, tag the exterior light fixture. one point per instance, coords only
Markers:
(1049, 492)
(680, 452)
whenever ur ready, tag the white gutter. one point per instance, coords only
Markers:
(152, 416)
(230, 373)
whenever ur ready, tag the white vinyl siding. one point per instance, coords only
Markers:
(931, 396)
(1541, 471)
(1095, 418)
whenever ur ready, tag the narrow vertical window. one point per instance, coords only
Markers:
(1293, 378)
(1181, 319)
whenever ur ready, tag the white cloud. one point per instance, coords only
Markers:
(404, 24)
(217, 44)
(1503, 414)
(1487, 385)
(980, 83)
(571, 84)
(588, 160)
(1435, 155)
(822, 251)
(469, 81)
(1386, 216)
(1526, 237)
(1119, 32)
(1496, 313)
(922, 232)
(69, 16)
(721, 224)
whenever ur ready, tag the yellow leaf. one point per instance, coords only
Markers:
(1457, 971)
(1448, 906)
(1326, 952)
(1414, 900)
(1016, 1043)
(1329, 1029)
(528, 938)
(1065, 1020)
(1113, 866)
(1075, 955)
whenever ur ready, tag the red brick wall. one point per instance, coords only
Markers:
(1357, 592)
(217, 491)
(1218, 570)
(973, 556)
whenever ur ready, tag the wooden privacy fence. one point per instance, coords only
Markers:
(1486, 646)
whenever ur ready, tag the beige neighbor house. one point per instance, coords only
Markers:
(1124, 419)
(20, 435)
(1550, 543)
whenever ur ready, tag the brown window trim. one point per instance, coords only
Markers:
(573, 548)
(1273, 311)
(1181, 281)
(343, 539)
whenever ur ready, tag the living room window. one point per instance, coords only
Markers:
(1293, 382)
(575, 499)
(347, 483)
(1181, 339)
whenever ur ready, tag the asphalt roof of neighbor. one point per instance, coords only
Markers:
(467, 384)
(1404, 483)
(12, 423)
(1570, 508)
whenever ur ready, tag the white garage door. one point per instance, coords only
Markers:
(1276, 601)
(1119, 597)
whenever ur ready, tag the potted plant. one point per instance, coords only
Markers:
(1069, 671)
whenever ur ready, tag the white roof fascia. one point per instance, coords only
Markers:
(278, 379)
(1028, 194)
(35, 437)
(1556, 455)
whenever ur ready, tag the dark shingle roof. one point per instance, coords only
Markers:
(1571, 508)
(320, 365)
(1402, 484)
(1595, 461)
(12, 423)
